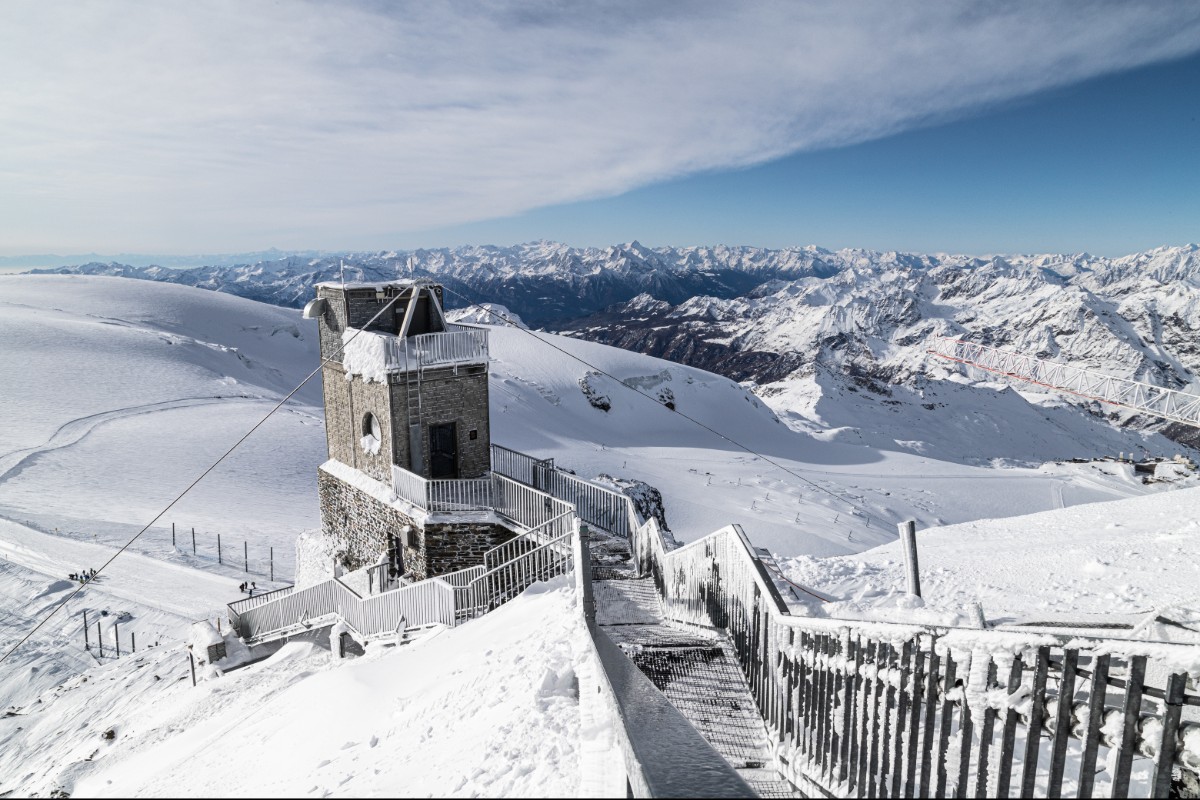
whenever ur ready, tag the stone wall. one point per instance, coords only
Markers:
(460, 398)
(361, 524)
(453, 546)
(346, 406)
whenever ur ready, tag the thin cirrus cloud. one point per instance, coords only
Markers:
(204, 125)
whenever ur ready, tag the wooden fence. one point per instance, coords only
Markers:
(866, 709)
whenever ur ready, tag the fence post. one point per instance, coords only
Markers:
(117, 637)
(193, 541)
(86, 644)
(99, 639)
(192, 663)
(246, 555)
(272, 564)
(133, 642)
(219, 561)
(172, 534)
(908, 534)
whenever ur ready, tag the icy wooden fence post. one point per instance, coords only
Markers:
(172, 534)
(117, 637)
(246, 555)
(908, 535)
(86, 644)
(193, 541)
(219, 561)
(99, 639)
(272, 564)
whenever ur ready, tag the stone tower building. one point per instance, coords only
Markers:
(406, 416)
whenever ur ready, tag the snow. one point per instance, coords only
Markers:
(490, 709)
(486, 314)
(367, 354)
(135, 387)
(1110, 562)
(819, 506)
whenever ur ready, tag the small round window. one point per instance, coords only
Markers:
(371, 433)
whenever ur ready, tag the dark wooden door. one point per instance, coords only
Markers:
(443, 451)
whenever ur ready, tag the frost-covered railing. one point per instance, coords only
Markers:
(1134, 395)
(423, 603)
(864, 709)
(456, 345)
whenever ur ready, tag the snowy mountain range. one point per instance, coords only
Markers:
(796, 319)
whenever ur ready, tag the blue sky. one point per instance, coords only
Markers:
(1110, 166)
(214, 126)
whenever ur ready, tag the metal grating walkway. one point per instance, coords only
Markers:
(697, 671)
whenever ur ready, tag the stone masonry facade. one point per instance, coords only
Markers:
(445, 397)
(363, 520)
(365, 524)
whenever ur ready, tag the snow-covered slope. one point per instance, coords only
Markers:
(119, 394)
(1123, 561)
(838, 491)
(491, 709)
(866, 328)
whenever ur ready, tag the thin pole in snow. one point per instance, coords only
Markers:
(908, 535)
(272, 564)
(86, 644)
(117, 637)
(246, 554)
(192, 663)
(133, 642)
(99, 639)
(193, 541)
(172, 534)
(219, 561)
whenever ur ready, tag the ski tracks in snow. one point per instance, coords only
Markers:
(75, 430)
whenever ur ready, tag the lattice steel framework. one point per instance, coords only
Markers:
(1136, 396)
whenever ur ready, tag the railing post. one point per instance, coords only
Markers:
(908, 535)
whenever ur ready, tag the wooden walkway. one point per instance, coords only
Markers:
(696, 670)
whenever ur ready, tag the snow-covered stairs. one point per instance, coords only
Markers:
(697, 671)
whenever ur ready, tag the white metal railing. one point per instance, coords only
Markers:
(598, 506)
(517, 465)
(452, 347)
(548, 531)
(410, 487)
(503, 582)
(464, 494)
(455, 345)
(442, 496)
(1137, 396)
(525, 505)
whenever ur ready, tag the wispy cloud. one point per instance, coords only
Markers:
(205, 125)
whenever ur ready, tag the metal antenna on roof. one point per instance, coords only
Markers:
(410, 266)
(342, 267)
